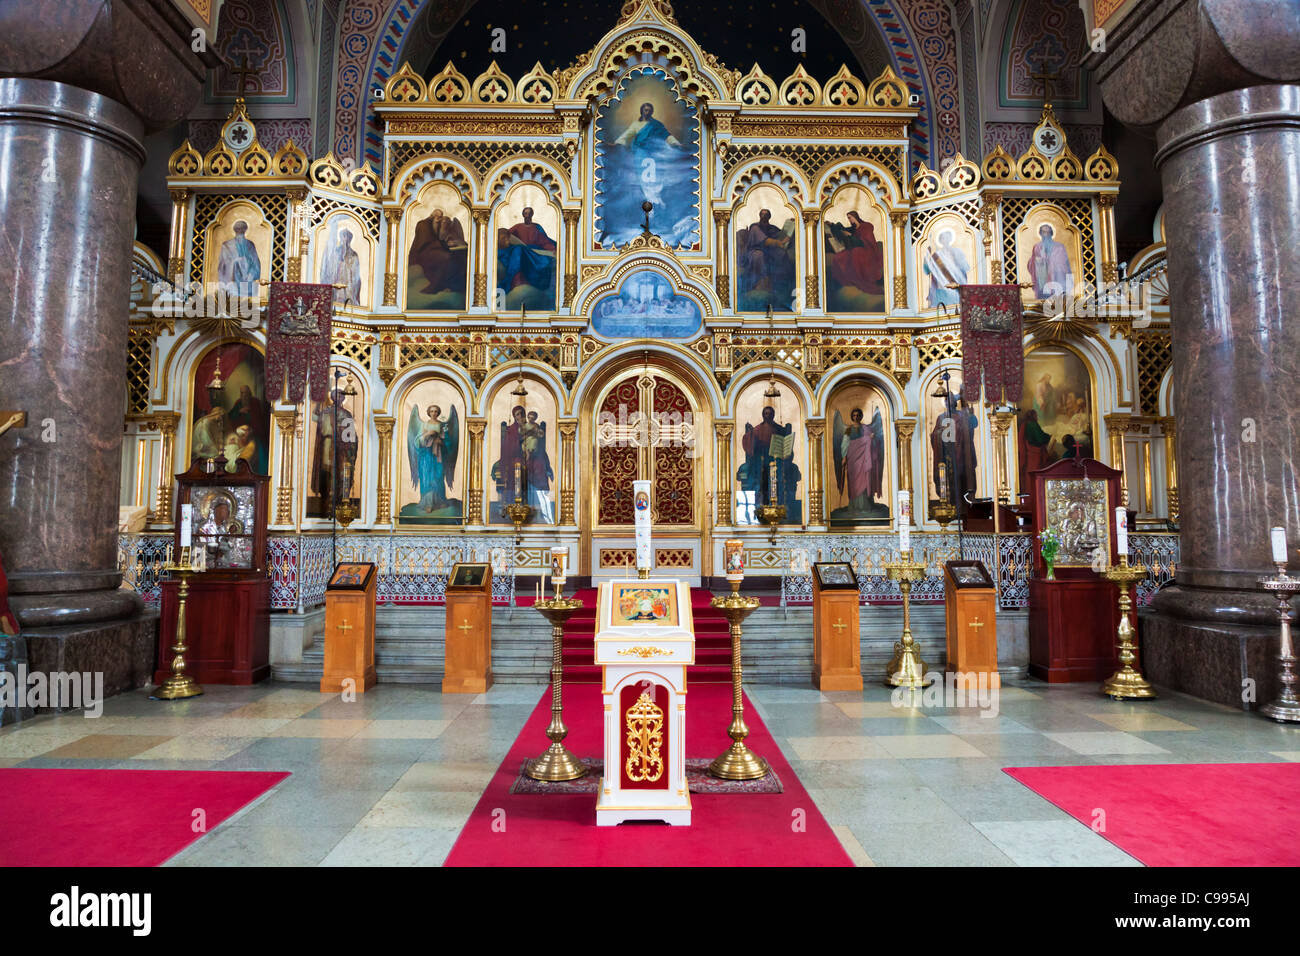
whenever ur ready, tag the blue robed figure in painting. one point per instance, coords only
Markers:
(646, 162)
(526, 264)
(431, 447)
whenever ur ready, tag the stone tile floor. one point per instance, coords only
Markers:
(391, 778)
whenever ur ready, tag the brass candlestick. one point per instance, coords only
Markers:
(905, 669)
(556, 762)
(771, 515)
(1127, 683)
(1286, 707)
(737, 762)
(180, 685)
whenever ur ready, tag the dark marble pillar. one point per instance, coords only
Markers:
(1210, 78)
(81, 82)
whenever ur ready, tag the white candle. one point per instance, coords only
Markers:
(1278, 536)
(1121, 530)
(187, 523)
(904, 521)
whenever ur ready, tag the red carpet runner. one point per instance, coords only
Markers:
(783, 829)
(115, 817)
(712, 643)
(1236, 814)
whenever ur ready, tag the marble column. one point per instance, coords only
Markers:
(83, 82)
(63, 348)
(1215, 81)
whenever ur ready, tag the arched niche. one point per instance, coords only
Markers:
(527, 231)
(237, 249)
(432, 453)
(947, 254)
(1049, 250)
(436, 233)
(770, 450)
(228, 411)
(860, 468)
(345, 254)
(522, 457)
(855, 251)
(767, 229)
(1057, 411)
(325, 436)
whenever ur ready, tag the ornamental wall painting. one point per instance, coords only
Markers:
(1055, 418)
(229, 412)
(859, 457)
(437, 250)
(430, 476)
(1049, 250)
(767, 226)
(952, 437)
(946, 256)
(647, 150)
(334, 445)
(522, 451)
(527, 231)
(237, 250)
(770, 431)
(345, 255)
(853, 241)
(646, 307)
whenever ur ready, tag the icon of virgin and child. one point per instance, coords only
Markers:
(523, 452)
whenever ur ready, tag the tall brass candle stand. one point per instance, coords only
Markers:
(180, 685)
(905, 669)
(1127, 683)
(737, 762)
(556, 762)
(1286, 707)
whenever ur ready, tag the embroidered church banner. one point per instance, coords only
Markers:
(991, 341)
(298, 340)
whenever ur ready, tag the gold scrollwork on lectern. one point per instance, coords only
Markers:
(640, 651)
(645, 740)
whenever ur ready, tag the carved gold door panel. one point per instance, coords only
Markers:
(645, 429)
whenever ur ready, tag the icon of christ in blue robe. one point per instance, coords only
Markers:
(647, 162)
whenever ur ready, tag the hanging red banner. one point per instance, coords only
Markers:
(992, 343)
(298, 340)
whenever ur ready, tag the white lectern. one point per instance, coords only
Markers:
(645, 637)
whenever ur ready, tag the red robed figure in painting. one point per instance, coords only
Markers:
(862, 262)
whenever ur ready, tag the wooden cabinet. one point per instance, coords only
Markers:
(971, 619)
(837, 647)
(350, 629)
(468, 667)
(227, 610)
(227, 629)
(1072, 628)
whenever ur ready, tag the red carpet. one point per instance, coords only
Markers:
(115, 817)
(712, 643)
(783, 829)
(1236, 814)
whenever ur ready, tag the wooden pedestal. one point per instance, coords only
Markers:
(468, 640)
(350, 631)
(971, 612)
(1072, 627)
(227, 630)
(837, 643)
